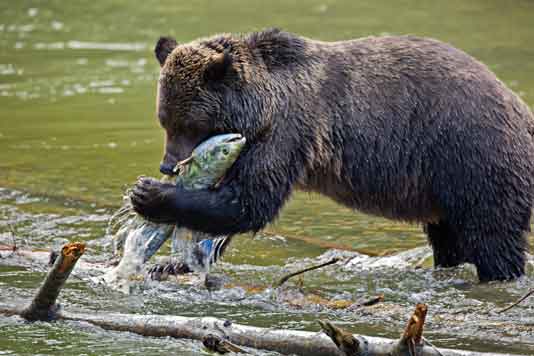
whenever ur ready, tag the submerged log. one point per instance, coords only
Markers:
(217, 344)
(43, 305)
(347, 343)
(308, 269)
(529, 293)
(224, 335)
(410, 343)
(283, 341)
(412, 337)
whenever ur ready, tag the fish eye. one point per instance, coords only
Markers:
(225, 151)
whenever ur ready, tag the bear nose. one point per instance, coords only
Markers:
(166, 168)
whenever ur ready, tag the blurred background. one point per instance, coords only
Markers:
(78, 125)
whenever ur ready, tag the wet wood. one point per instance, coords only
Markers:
(413, 333)
(43, 305)
(223, 334)
(287, 342)
(11, 248)
(283, 341)
(219, 345)
(311, 268)
(39, 259)
(517, 302)
(369, 302)
(411, 342)
(344, 340)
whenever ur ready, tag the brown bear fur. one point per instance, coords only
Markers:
(403, 127)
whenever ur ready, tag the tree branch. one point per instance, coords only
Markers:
(43, 306)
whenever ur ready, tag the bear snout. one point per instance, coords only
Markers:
(179, 147)
(166, 168)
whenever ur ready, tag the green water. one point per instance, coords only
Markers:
(78, 125)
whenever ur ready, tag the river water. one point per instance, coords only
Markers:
(77, 126)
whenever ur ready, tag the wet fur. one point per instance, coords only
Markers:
(402, 127)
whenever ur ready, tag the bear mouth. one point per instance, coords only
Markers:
(209, 141)
(237, 138)
(218, 139)
(232, 138)
(182, 147)
(223, 137)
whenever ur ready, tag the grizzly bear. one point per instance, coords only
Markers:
(402, 127)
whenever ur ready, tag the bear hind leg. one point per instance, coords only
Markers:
(496, 240)
(499, 256)
(495, 246)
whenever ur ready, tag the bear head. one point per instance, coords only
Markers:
(223, 84)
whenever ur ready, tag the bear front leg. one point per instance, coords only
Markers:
(253, 192)
(154, 200)
(214, 212)
(447, 246)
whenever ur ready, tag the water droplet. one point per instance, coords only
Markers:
(32, 12)
(7, 69)
(110, 90)
(56, 25)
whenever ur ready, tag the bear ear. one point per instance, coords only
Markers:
(218, 66)
(163, 48)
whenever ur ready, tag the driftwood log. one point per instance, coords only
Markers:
(304, 343)
(529, 293)
(410, 343)
(223, 335)
(43, 306)
(308, 269)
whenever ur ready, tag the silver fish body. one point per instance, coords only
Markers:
(206, 166)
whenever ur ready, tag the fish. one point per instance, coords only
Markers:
(139, 239)
(205, 168)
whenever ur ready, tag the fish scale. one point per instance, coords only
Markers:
(141, 239)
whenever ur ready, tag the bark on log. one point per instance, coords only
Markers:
(412, 336)
(293, 274)
(217, 344)
(410, 343)
(531, 292)
(344, 340)
(43, 305)
(297, 342)
(283, 341)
